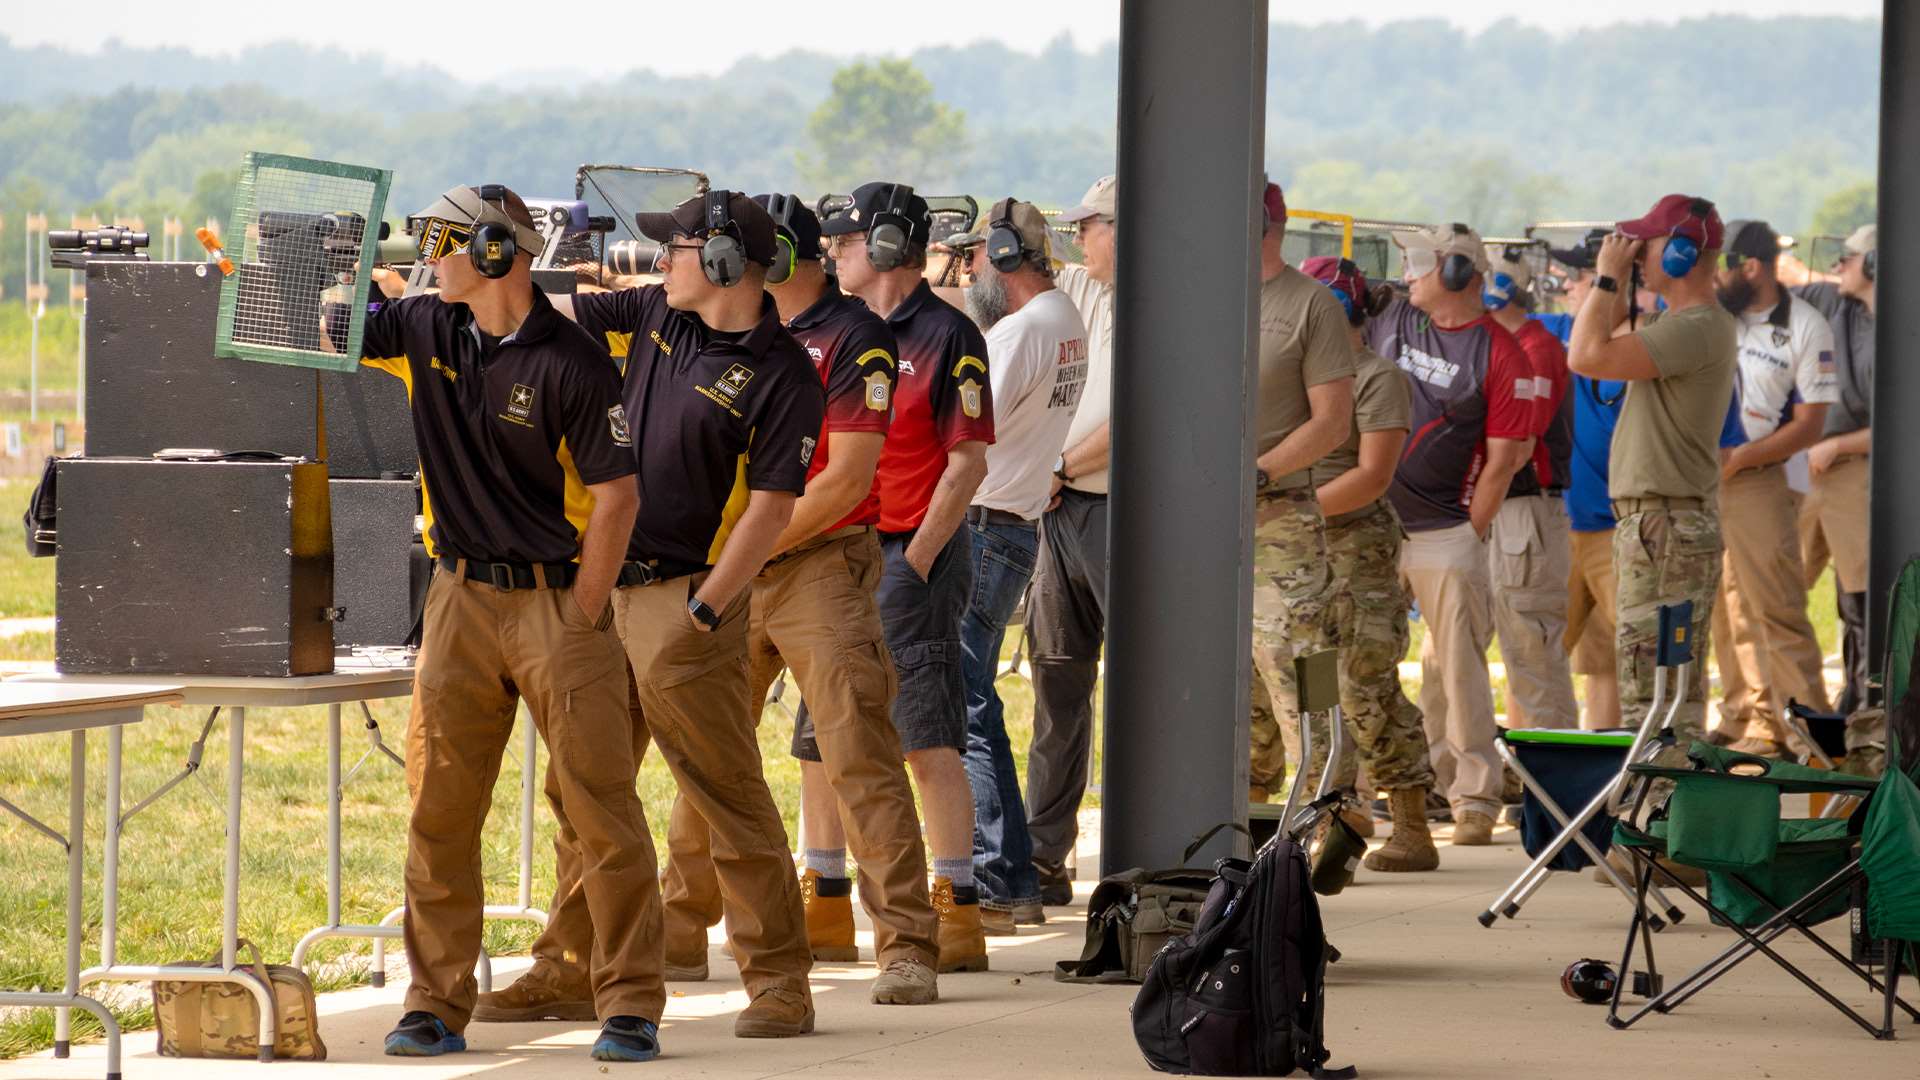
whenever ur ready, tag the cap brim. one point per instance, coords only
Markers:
(1640, 229)
(840, 225)
(658, 225)
(1577, 258)
(1078, 213)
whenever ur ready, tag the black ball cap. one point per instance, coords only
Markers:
(690, 219)
(802, 225)
(871, 199)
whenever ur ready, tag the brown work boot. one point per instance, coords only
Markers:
(775, 1014)
(1472, 829)
(963, 945)
(829, 906)
(544, 992)
(906, 982)
(1410, 848)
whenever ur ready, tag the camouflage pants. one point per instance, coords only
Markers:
(1663, 556)
(1294, 612)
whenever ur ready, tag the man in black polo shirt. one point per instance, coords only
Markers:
(526, 465)
(726, 410)
(813, 610)
(933, 461)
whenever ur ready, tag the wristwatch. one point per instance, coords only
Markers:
(1060, 468)
(703, 614)
(1261, 481)
(1606, 284)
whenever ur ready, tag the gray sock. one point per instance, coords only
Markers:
(828, 863)
(959, 871)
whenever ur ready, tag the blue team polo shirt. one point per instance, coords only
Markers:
(1596, 409)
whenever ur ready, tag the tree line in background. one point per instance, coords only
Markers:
(1414, 120)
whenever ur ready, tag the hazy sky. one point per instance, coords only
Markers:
(664, 36)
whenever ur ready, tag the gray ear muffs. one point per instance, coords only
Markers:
(723, 258)
(1870, 263)
(1004, 249)
(890, 229)
(1456, 270)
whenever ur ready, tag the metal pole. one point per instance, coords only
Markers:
(230, 898)
(1893, 514)
(110, 887)
(76, 883)
(1191, 131)
(333, 814)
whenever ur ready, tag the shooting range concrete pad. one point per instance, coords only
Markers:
(1422, 991)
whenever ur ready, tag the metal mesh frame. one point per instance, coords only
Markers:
(292, 237)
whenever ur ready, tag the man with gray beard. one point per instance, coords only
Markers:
(1037, 364)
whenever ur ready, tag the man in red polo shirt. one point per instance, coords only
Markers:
(933, 461)
(1529, 552)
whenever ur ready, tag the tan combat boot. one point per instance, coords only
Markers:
(1471, 828)
(775, 1014)
(544, 992)
(1411, 846)
(829, 917)
(963, 944)
(906, 982)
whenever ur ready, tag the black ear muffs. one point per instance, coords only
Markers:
(492, 246)
(890, 230)
(1004, 249)
(723, 258)
(1870, 263)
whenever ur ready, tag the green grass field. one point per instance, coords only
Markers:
(172, 853)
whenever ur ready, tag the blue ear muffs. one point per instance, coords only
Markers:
(1499, 291)
(1346, 304)
(1679, 257)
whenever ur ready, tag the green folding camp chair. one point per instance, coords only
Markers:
(1767, 874)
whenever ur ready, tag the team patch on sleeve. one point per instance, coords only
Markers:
(1523, 388)
(970, 398)
(617, 424)
(807, 443)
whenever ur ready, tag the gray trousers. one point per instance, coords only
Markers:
(1067, 617)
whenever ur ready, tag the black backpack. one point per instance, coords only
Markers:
(1244, 993)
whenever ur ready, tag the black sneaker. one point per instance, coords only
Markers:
(627, 1038)
(421, 1034)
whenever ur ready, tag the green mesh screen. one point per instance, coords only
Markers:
(301, 246)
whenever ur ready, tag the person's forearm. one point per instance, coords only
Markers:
(604, 548)
(1853, 443)
(947, 509)
(830, 497)
(1593, 327)
(1305, 445)
(1490, 490)
(748, 547)
(1351, 490)
(1091, 454)
(1783, 442)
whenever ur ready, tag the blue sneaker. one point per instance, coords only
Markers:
(421, 1034)
(627, 1038)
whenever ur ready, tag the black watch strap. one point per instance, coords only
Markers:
(1606, 284)
(706, 616)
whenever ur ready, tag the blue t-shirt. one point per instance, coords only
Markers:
(1596, 409)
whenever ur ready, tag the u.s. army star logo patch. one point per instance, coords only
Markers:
(520, 400)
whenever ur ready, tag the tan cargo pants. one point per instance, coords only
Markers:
(483, 649)
(1763, 642)
(688, 693)
(1527, 560)
(1446, 570)
(813, 611)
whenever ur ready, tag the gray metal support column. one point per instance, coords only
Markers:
(1192, 133)
(1895, 511)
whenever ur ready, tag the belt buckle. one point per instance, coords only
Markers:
(501, 576)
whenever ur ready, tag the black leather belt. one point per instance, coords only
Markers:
(508, 576)
(652, 571)
(984, 515)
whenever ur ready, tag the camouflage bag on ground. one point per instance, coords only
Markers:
(221, 1019)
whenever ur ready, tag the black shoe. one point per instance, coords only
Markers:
(422, 1034)
(627, 1038)
(1056, 888)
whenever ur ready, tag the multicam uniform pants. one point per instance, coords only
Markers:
(1295, 612)
(1385, 731)
(1664, 552)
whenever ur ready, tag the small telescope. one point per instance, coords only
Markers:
(73, 248)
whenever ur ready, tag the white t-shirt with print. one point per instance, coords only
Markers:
(1095, 301)
(1781, 366)
(1037, 361)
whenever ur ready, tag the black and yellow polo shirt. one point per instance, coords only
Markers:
(714, 416)
(510, 431)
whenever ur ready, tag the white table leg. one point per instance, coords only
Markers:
(76, 881)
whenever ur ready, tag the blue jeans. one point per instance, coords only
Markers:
(1003, 557)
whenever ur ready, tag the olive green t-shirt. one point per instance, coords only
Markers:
(1668, 440)
(1303, 342)
(1381, 402)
